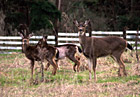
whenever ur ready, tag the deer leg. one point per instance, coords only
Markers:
(42, 72)
(55, 66)
(36, 79)
(74, 67)
(32, 67)
(47, 66)
(89, 68)
(78, 63)
(72, 58)
(94, 68)
(121, 71)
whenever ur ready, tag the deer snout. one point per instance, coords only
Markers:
(80, 30)
(25, 41)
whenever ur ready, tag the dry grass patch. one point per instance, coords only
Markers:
(15, 75)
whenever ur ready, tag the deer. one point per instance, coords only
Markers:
(66, 50)
(94, 48)
(35, 53)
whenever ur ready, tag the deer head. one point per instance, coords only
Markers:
(42, 42)
(23, 31)
(81, 27)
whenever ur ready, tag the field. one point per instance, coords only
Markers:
(15, 78)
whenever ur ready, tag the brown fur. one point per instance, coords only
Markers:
(48, 52)
(70, 52)
(35, 53)
(94, 48)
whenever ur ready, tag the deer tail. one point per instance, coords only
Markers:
(129, 46)
(79, 49)
(57, 53)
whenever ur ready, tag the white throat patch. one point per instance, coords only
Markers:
(80, 33)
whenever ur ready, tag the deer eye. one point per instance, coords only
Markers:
(39, 42)
(83, 25)
(25, 40)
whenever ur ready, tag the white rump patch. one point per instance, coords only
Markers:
(62, 52)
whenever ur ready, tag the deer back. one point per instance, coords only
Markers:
(103, 46)
(46, 51)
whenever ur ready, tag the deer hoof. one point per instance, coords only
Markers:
(74, 69)
(46, 69)
(31, 80)
(122, 73)
(125, 74)
(42, 80)
(53, 73)
(35, 82)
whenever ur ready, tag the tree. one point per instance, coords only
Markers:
(37, 14)
(42, 12)
(56, 23)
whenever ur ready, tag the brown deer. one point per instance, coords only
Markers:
(67, 50)
(47, 52)
(34, 53)
(94, 48)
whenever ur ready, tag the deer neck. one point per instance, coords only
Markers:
(82, 39)
(25, 46)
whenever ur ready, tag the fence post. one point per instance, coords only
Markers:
(124, 32)
(56, 39)
(90, 29)
(136, 44)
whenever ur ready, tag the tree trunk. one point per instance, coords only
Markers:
(56, 22)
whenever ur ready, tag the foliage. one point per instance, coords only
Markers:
(42, 12)
(36, 13)
(106, 14)
(120, 13)
(15, 18)
(124, 20)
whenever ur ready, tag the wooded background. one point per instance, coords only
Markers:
(105, 15)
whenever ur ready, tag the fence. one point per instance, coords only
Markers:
(9, 44)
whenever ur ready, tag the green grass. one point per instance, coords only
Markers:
(119, 79)
(66, 76)
(17, 77)
(14, 77)
(21, 76)
(9, 58)
(12, 51)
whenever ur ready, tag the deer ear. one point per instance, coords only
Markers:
(21, 34)
(87, 22)
(76, 22)
(31, 34)
(45, 38)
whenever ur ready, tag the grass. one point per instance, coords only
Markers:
(15, 76)
(21, 76)
(119, 79)
(9, 58)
